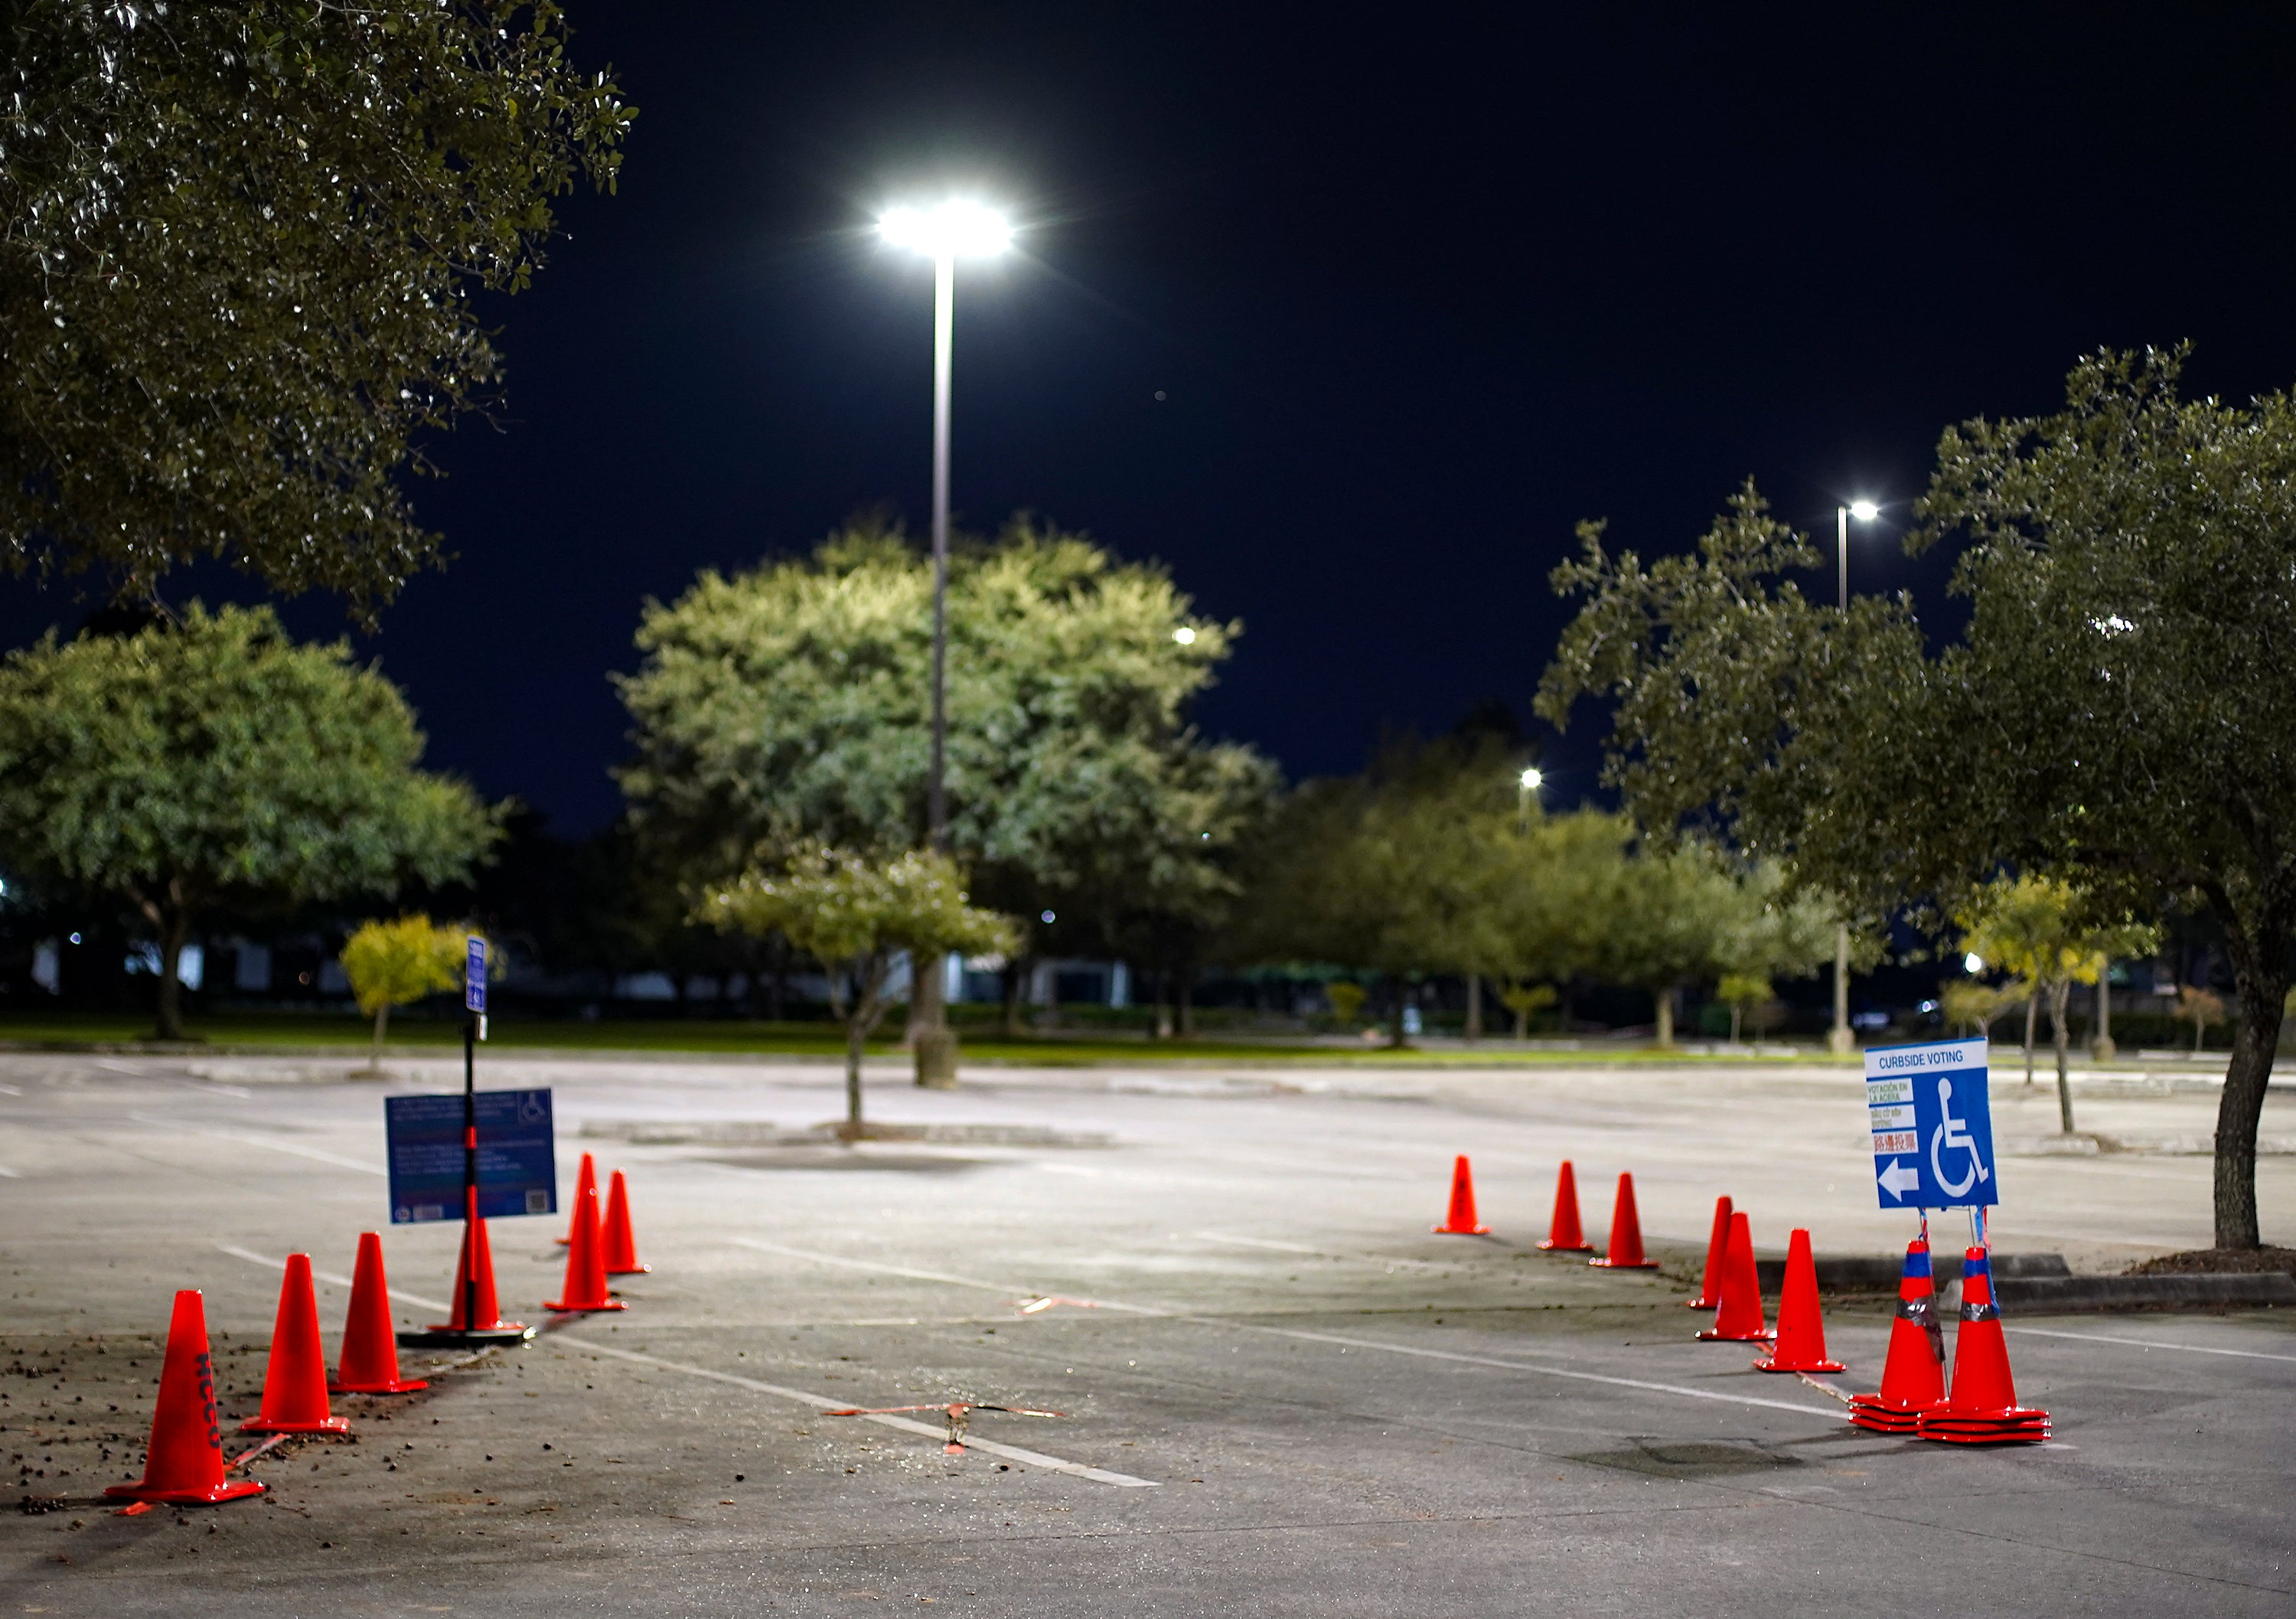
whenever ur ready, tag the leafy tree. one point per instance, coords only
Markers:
(2199, 1007)
(2045, 932)
(1346, 998)
(1972, 1007)
(395, 964)
(2115, 713)
(790, 705)
(1741, 992)
(235, 278)
(214, 761)
(1523, 999)
(1392, 871)
(853, 913)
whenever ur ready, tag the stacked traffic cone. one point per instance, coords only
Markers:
(1461, 1220)
(621, 1247)
(1718, 1243)
(1800, 1345)
(1982, 1408)
(1564, 1234)
(585, 1181)
(369, 1364)
(295, 1379)
(1913, 1377)
(1626, 1234)
(1738, 1314)
(585, 1263)
(184, 1466)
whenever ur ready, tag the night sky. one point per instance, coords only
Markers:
(1419, 288)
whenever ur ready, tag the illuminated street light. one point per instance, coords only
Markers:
(1184, 635)
(1531, 779)
(1973, 963)
(1526, 784)
(1863, 511)
(955, 229)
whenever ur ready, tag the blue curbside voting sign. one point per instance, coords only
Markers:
(517, 1169)
(474, 977)
(1933, 1122)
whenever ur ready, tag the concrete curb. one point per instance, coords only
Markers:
(2049, 1294)
(1878, 1273)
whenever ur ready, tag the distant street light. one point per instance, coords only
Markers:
(955, 229)
(1527, 784)
(1863, 511)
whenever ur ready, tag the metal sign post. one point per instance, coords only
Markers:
(404, 1118)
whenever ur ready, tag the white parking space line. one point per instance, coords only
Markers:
(1523, 1366)
(2190, 1349)
(10, 1090)
(1357, 1259)
(318, 1275)
(1011, 1290)
(820, 1403)
(1314, 1338)
(337, 1159)
(8, 1174)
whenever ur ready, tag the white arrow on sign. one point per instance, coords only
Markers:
(1898, 1179)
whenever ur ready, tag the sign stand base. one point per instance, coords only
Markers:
(457, 1337)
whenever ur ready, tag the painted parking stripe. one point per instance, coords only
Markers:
(268, 1263)
(822, 1402)
(337, 1159)
(2190, 1349)
(1344, 1342)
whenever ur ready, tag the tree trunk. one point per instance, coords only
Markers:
(1016, 973)
(2059, 994)
(175, 931)
(381, 1021)
(1523, 1023)
(1737, 1019)
(2260, 973)
(1664, 1000)
(1474, 1008)
(2032, 1007)
(930, 1037)
(854, 1034)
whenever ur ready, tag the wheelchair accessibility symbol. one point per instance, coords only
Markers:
(1952, 1136)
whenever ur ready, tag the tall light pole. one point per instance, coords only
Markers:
(953, 230)
(1839, 1040)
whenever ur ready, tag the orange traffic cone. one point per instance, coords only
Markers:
(621, 1248)
(1913, 1377)
(1563, 1233)
(585, 1181)
(1982, 1408)
(1800, 1345)
(295, 1379)
(1626, 1234)
(1738, 1317)
(476, 1254)
(1718, 1243)
(369, 1363)
(585, 1263)
(1461, 1220)
(184, 1466)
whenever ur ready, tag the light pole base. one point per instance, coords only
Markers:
(1842, 1042)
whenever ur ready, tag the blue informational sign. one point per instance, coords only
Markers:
(518, 1165)
(474, 977)
(1933, 1123)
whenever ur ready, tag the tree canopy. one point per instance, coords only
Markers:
(2116, 714)
(214, 761)
(789, 706)
(852, 912)
(236, 273)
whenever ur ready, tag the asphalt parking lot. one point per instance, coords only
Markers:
(1279, 1392)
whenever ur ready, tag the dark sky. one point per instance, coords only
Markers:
(1421, 287)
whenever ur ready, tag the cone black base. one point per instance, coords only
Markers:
(456, 1337)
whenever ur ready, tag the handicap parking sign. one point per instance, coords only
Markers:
(1932, 1126)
